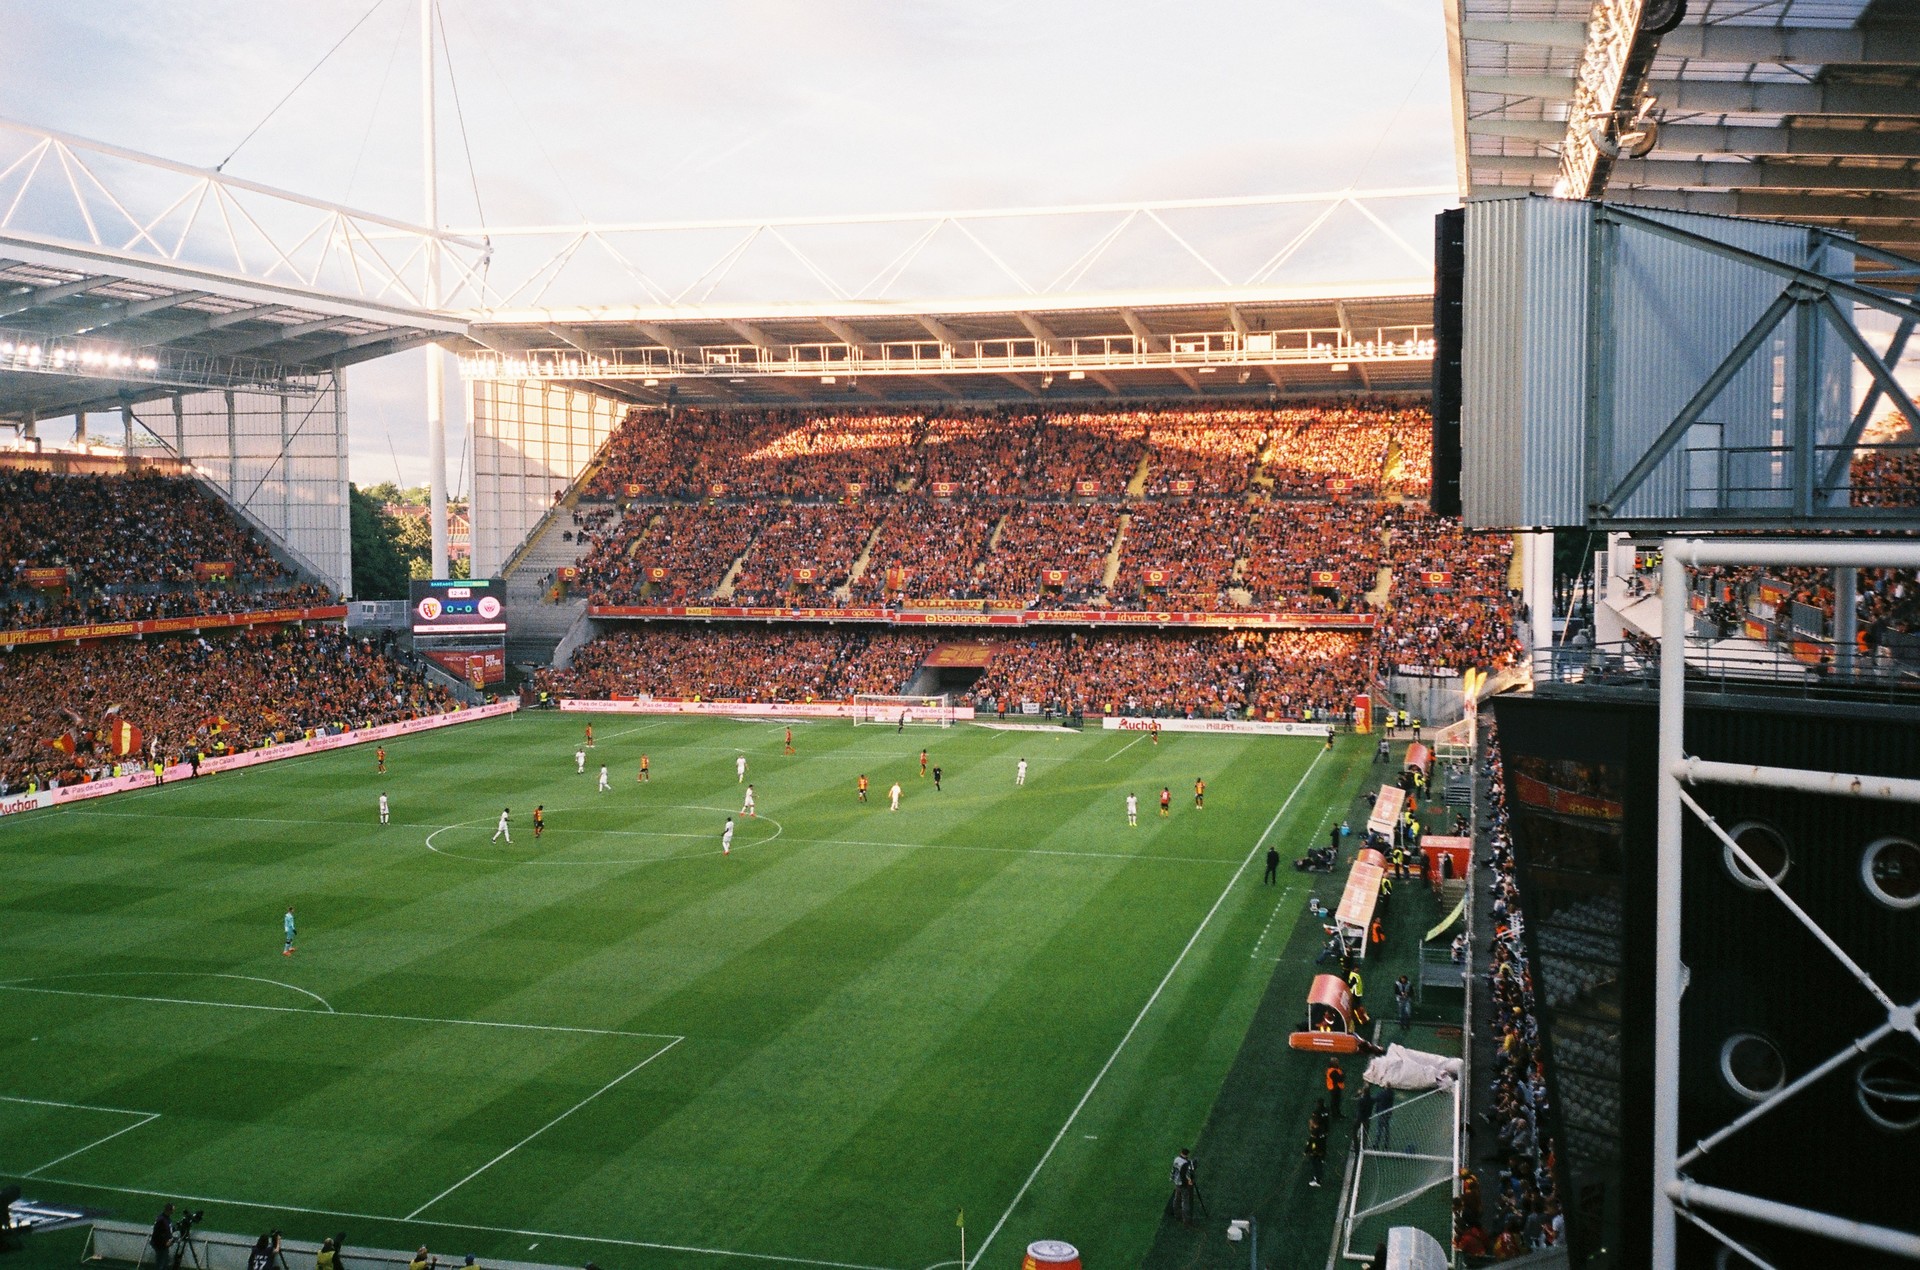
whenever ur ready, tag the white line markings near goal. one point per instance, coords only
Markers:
(542, 1129)
(143, 1118)
(22, 985)
(1141, 1017)
(1123, 749)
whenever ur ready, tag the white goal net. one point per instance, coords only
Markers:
(903, 711)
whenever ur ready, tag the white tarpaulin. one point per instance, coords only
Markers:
(1402, 1068)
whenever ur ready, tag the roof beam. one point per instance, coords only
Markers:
(756, 337)
(668, 338)
(398, 339)
(1790, 139)
(1818, 46)
(1790, 206)
(247, 341)
(1149, 342)
(1786, 99)
(1019, 383)
(941, 331)
(1569, 36)
(1039, 332)
(1545, 131)
(201, 323)
(1540, 87)
(1190, 379)
(1697, 175)
(90, 321)
(844, 332)
(21, 301)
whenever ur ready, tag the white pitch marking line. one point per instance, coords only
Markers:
(172, 974)
(336, 1014)
(145, 1118)
(449, 1225)
(1123, 749)
(542, 1129)
(951, 846)
(1141, 1017)
(1286, 894)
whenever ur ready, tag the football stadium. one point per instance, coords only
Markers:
(1282, 723)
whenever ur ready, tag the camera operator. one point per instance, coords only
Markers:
(162, 1239)
(266, 1252)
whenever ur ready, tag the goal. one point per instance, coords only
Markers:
(934, 711)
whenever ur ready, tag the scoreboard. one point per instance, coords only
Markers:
(458, 606)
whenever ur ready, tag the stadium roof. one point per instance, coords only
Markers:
(1802, 110)
(1356, 339)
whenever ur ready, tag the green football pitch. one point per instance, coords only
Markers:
(616, 1044)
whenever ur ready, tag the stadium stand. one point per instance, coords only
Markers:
(130, 548)
(192, 694)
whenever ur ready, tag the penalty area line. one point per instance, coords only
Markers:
(542, 1129)
(1140, 1018)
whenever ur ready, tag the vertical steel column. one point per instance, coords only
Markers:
(436, 366)
(344, 558)
(285, 527)
(79, 427)
(1667, 970)
(233, 451)
(1846, 617)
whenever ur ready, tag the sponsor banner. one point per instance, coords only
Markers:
(1753, 630)
(1183, 487)
(943, 489)
(167, 625)
(1229, 727)
(777, 710)
(49, 579)
(1155, 577)
(1086, 489)
(249, 758)
(942, 602)
(1537, 793)
(947, 614)
(479, 669)
(213, 571)
(964, 655)
(805, 574)
(1324, 577)
(1773, 593)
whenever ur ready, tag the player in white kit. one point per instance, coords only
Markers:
(894, 796)
(1133, 809)
(746, 808)
(580, 761)
(740, 769)
(726, 838)
(502, 831)
(383, 809)
(1020, 773)
(604, 786)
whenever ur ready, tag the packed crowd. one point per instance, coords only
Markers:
(1295, 540)
(825, 538)
(1191, 545)
(191, 694)
(928, 548)
(132, 548)
(740, 663)
(1282, 675)
(1525, 1212)
(693, 546)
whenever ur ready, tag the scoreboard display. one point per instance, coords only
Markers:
(459, 606)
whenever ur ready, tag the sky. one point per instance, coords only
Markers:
(579, 110)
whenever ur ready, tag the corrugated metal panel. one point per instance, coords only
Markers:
(1569, 378)
(531, 440)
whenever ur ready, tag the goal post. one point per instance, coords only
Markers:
(875, 708)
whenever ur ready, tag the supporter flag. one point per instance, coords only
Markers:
(1156, 577)
(656, 573)
(1183, 487)
(1054, 577)
(1325, 577)
(805, 574)
(64, 743)
(943, 489)
(855, 489)
(569, 572)
(633, 491)
(215, 723)
(1339, 484)
(1086, 489)
(50, 579)
(123, 738)
(1435, 577)
(896, 578)
(213, 571)
(717, 490)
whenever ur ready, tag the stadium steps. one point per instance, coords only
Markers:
(1112, 570)
(1137, 483)
(535, 625)
(724, 591)
(1382, 587)
(859, 569)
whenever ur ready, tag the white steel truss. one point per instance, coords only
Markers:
(1675, 1195)
(1170, 246)
(62, 190)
